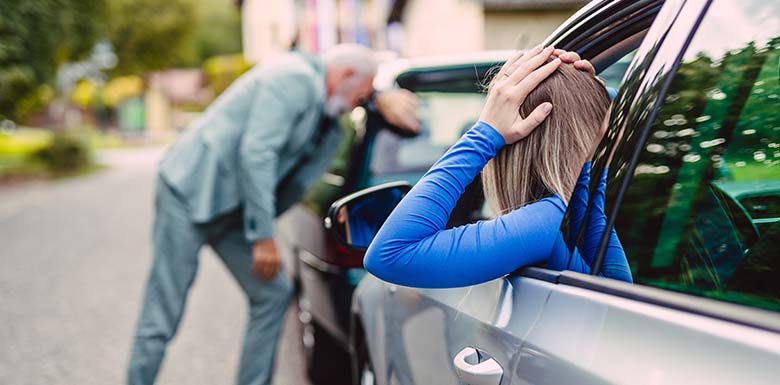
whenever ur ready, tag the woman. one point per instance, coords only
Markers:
(539, 153)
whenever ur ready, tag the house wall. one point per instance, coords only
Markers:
(268, 27)
(521, 29)
(429, 27)
(433, 27)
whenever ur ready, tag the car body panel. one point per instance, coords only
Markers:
(414, 333)
(582, 331)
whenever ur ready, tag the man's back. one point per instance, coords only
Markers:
(203, 167)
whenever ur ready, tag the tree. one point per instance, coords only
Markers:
(36, 36)
(150, 34)
(218, 30)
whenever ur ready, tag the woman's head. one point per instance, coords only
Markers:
(548, 161)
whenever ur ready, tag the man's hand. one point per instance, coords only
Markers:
(399, 108)
(265, 259)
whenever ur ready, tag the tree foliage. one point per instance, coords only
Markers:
(38, 35)
(149, 34)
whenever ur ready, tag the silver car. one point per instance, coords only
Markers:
(698, 108)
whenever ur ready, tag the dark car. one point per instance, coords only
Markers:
(693, 158)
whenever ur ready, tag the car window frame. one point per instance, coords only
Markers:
(627, 112)
(619, 25)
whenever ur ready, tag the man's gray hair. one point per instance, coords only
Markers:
(357, 57)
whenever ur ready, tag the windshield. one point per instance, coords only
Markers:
(445, 117)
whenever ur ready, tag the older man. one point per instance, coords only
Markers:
(251, 156)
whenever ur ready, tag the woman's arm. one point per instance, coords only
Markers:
(615, 264)
(414, 249)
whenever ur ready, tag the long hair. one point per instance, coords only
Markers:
(548, 161)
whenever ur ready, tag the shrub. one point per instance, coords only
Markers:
(65, 154)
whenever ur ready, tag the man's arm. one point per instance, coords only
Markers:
(275, 107)
(399, 108)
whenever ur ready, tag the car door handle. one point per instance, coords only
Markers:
(473, 372)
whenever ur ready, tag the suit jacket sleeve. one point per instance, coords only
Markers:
(276, 106)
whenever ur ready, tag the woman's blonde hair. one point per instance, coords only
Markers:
(548, 161)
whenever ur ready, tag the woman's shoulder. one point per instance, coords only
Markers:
(554, 200)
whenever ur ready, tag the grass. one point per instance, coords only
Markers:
(17, 149)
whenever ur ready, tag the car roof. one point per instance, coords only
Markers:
(389, 70)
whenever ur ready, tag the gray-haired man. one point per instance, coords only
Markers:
(251, 156)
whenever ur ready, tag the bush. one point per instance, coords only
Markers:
(65, 154)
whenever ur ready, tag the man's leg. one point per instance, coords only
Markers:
(267, 305)
(175, 242)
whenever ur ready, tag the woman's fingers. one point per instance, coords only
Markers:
(584, 65)
(569, 57)
(505, 68)
(527, 84)
(527, 55)
(529, 65)
(523, 127)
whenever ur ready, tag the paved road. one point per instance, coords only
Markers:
(73, 258)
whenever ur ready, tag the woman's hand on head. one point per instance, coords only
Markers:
(574, 59)
(517, 78)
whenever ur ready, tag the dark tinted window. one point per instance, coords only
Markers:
(702, 214)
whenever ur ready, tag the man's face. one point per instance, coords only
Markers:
(358, 94)
(347, 90)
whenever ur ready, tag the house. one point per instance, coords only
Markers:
(409, 27)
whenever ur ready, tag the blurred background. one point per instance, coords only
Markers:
(91, 91)
(118, 72)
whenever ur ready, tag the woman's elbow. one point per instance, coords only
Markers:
(372, 261)
(379, 261)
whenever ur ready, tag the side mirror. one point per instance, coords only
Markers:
(355, 219)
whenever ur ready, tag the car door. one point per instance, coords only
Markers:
(479, 330)
(704, 306)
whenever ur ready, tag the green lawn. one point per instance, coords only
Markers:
(17, 150)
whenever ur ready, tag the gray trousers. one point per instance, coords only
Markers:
(176, 243)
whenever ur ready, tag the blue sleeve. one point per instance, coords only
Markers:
(413, 248)
(615, 264)
(578, 203)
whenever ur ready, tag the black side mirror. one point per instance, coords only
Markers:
(355, 219)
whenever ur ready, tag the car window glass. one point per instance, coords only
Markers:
(701, 214)
(445, 116)
(613, 75)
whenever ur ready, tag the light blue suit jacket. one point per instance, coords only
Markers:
(259, 146)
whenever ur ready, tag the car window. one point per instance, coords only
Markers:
(445, 116)
(702, 213)
(613, 75)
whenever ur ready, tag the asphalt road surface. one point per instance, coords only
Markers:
(74, 255)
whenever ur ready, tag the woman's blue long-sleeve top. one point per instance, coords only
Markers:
(413, 248)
